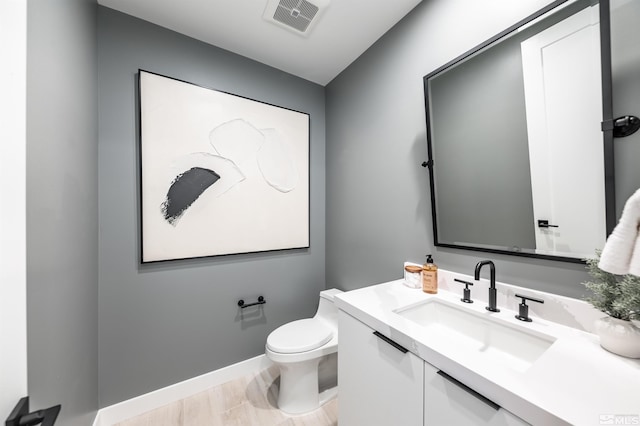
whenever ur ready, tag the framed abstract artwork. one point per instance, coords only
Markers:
(219, 174)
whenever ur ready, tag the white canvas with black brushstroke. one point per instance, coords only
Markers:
(220, 174)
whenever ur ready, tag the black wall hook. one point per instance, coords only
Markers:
(260, 301)
(625, 126)
(622, 126)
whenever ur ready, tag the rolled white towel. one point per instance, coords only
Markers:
(620, 246)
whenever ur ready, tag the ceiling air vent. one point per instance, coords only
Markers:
(298, 16)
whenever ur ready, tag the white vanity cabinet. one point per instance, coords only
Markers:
(379, 383)
(450, 402)
(383, 384)
(541, 372)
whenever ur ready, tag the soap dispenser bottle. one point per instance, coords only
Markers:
(430, 276)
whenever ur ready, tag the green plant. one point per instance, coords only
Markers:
(615, 295)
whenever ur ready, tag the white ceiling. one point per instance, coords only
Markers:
(344, 30)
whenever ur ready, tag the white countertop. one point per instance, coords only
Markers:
(575, 381)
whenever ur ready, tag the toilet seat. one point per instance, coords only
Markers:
(299, 336)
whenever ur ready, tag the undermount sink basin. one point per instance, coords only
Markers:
(478, 333)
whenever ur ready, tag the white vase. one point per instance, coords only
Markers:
(619, 336)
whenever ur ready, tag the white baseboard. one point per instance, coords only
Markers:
(112, 414)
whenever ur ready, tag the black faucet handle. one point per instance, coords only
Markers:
(523, 308)
(466, 293)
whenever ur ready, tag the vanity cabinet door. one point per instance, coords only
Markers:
(450, 402)
(379, 382)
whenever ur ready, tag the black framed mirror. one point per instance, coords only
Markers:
(520, 154)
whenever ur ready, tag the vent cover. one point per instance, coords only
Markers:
(297, 15)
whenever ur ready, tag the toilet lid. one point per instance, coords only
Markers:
(299, 336)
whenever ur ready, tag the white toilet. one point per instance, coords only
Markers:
(298, 348)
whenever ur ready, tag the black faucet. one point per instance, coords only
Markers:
(492, 288)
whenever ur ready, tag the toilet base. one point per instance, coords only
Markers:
(298, 391)
(292, 408)
(306, 385)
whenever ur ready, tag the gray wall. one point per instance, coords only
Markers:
(62, 208)
(167, 322)
(378, 205)
(625, 64)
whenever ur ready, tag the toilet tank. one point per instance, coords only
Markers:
(326, 308)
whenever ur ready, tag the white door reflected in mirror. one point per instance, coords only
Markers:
(562, 84)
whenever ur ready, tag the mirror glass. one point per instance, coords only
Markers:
(516, 154)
